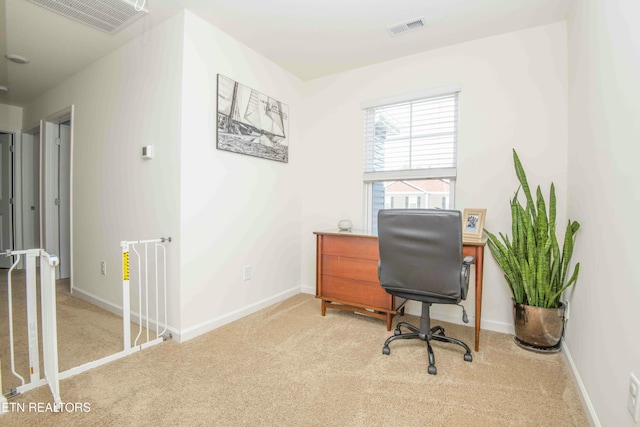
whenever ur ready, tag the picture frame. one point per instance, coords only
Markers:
(251, 123)
(473, 224)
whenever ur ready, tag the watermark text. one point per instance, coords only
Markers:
(42, 407)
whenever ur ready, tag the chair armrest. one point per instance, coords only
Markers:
(464, 275)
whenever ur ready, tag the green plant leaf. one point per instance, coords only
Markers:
(555, 300)
(567, 250)
(534, 265)
(522, 177)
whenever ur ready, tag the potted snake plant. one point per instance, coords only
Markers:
(535, 267)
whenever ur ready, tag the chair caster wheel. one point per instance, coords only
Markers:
(468, 357)
(396, 332)
(432, 369)
(386, 350)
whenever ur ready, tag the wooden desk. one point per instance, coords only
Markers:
(347, 276)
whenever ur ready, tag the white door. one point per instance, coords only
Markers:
(6, 195)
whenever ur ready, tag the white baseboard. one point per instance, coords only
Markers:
(192, 332)
(212, 324)
(582, 391)
(103, 304)
(117, 310)
(439, 313)
(311, 290)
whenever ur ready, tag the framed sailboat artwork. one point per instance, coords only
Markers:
(251, 123)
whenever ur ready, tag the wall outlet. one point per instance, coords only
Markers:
(103, 268)
(246, 272)
(633, 401)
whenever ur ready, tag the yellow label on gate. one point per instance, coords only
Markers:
(125, 265)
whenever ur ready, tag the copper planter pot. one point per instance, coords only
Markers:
(538, 328)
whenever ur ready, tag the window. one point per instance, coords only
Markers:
(410, 152)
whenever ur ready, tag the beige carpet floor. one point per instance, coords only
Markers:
(287, 365)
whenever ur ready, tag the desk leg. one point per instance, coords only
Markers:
(324, 311)
(479, 265)
(389, 319)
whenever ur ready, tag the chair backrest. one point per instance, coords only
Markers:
(421, 253)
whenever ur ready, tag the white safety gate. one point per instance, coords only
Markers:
(144, 281)
(145, 317)
(51, 377)
(146, 296)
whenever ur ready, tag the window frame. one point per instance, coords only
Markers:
(412, 174)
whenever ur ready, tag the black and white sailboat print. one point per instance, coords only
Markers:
(250, 122)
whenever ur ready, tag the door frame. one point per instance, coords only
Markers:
(49, 225)
(13, 215)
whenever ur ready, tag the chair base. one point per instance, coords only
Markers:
(435, 333)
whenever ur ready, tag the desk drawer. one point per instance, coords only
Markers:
(349, 246)
(358, 292)
(350, 268)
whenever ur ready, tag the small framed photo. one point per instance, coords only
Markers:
(473, 224)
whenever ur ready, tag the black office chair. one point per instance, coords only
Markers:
(421, 260)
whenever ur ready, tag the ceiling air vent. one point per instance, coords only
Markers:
(109, 16)
(405, 27)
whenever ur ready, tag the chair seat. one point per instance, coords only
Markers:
(423, 296)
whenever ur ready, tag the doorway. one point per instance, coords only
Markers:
(56, 189)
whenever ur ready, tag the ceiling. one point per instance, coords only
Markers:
(308, 38)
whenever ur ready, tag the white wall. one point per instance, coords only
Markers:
(10, 118)
(604, 106)
(223, 210)
(128, 99)
(236, 210)
(514, 95)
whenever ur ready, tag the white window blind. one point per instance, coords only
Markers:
(412, 139)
